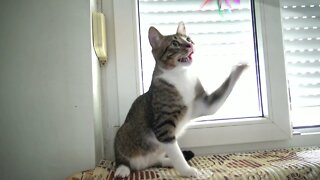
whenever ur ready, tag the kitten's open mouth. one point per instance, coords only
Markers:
(187, 59)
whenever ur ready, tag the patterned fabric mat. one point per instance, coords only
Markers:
(291, 164)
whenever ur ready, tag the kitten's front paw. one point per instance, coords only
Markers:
(241, 66)
(122, 172)
(190, 172)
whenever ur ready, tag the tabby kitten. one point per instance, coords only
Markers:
(149, 134)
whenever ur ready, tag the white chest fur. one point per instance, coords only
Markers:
(184, 80)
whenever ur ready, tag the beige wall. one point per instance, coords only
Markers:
(49, 89)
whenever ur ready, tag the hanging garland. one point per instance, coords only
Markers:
(219, 3)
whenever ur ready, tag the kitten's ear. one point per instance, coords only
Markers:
(154, 37)
(181, 29)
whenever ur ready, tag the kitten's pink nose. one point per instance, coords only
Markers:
(189, 45)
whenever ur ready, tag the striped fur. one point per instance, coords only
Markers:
(156, 119)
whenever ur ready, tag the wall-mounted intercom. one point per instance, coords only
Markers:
(99, 36)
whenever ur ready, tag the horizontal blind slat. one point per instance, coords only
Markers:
(303, 44)
(194, 17)
(299, 2)
(208, 28)
(302, 56)
(300, 33)
(299, 12)
(305, 23)
(184, 6)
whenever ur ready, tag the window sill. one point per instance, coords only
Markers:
(205, 122)
(213, 133)
(303, 140)
(307, 131)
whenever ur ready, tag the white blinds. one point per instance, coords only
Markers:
(301, 35)
(220, 43)
(205, 26)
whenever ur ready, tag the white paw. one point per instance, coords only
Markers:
(241, 66)
(122, 171)
(238, 69)
(190, 172)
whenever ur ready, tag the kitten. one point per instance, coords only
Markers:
(149, 134)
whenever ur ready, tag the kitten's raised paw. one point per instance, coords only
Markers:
(241, 66)
(191, 172)
(122, 172)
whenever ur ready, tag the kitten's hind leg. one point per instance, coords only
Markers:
(122, 171)
(179, 163)
(165, 162)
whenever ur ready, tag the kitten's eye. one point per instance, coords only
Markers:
(175, 43)
(189, 40)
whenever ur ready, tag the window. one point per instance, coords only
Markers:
(301, 36)
(221, 41)
(273, 125)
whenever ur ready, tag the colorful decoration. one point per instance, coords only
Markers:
(219, 2)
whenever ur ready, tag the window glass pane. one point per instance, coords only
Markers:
(301, 36)
(221, 41)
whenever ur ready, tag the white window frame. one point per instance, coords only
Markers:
(121, 20)
(276, 123)
(274, 126)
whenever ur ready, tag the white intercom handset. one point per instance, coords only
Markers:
(99, 36)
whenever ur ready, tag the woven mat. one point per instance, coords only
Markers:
(292, 163)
